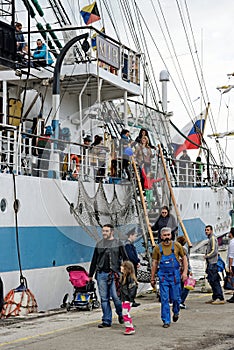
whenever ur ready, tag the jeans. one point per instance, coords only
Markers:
(170, 290)
(214, 281)
(107, 290)
(184, 294)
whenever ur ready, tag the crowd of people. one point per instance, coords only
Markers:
(114, 265)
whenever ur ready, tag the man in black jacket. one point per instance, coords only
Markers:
(107, 257)
(132, 254)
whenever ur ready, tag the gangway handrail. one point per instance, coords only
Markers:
(143, 202)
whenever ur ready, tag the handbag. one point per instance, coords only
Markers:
(228, 282)
(189, 283)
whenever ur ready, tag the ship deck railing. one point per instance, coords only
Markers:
(21, 154)
(100, 49)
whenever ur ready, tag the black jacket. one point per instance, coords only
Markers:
(116, 252)
(128, 290)
(132, 252)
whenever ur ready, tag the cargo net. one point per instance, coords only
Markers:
(94, 212)
(19, 303)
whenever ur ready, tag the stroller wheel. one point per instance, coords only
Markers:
(65, 300)
(68, 306)
(90, 306)
(96, 304)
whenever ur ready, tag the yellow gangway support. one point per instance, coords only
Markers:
(173, 197)
(143, 203)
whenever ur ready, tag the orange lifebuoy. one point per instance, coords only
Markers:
(75, 172)
(75, 157)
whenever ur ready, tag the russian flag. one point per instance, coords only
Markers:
(193, 131)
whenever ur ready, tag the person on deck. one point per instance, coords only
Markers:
(125, 152)
(184, 168)
(213, 277)
(199, 170)
(19, 37)
(230, 259)
(142, 133)
(166, 263)
(143, 154)
(44, 151)
(41, 55)
(148, 186)
(107, 257)
(165, 219)
(132, 254)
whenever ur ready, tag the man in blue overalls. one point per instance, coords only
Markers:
(166, 263)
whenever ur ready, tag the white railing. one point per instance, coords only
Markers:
(26, 155)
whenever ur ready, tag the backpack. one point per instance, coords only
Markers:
(220, 264)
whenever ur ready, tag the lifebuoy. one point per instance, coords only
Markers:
(75, 157)
(76, 170)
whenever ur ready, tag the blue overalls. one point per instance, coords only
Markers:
(169, 284)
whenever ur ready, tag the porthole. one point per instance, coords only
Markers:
(3, 205)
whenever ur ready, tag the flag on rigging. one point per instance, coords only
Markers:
(193, 131)
(90, 13)
(94, 39)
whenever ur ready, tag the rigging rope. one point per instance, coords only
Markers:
(16, 208)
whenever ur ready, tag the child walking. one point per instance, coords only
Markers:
(128, 289)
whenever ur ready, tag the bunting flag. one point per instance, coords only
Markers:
(94, 39)
(90, 13)
(193, 131)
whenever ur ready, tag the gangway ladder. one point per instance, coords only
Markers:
(173, 197)
(143, 201)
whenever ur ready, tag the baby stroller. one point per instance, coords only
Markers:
(84, 295)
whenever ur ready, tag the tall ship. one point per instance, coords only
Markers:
(67, 166)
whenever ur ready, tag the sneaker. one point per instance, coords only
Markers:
(175, 318)
(231, 300)
(209, 301)
(218, 302)
(104, 325)
(121, 320)
(134, 304)
(129, 331)
(166, 325)
(183, 306)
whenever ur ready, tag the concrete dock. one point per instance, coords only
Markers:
(200, 326)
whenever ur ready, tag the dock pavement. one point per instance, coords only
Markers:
(200, 326)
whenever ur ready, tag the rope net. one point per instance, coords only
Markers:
(92, 213)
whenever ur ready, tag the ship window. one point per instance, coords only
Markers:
(3, 204)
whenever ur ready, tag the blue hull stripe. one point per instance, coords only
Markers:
(43, 247)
